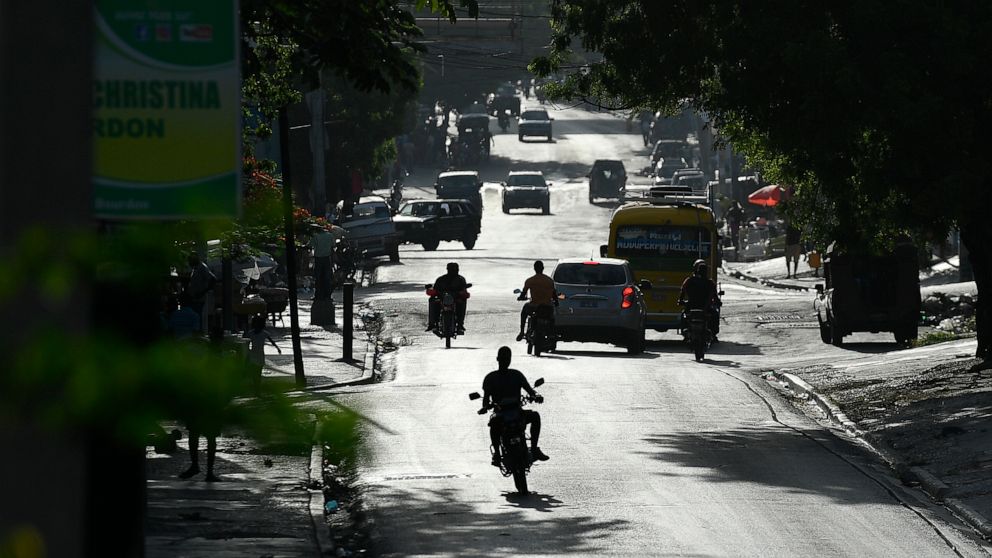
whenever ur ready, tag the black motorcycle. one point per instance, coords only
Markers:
(396, 195)
(504, 120)
(540, 332)
(345, 263)
(696, 332)
(446, 326)
(515, 457)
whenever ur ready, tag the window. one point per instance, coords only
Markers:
(525, 180)
(534, 115)
(661, 247)
(590, 274)
(419, 209)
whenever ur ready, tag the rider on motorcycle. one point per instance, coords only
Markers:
(699, 293)
(503, 119)
(542, 293)
(455, 284)
(504, 384)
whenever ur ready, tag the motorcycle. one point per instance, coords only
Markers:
(515, 457)
(540, 332)
(696, 332)
(504, 120)
(446, 319)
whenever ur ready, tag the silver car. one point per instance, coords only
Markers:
(602, 303)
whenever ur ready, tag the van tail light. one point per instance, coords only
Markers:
(628, 297)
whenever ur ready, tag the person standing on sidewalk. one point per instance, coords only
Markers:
(207, 425)
(793, 248)
(257, 335)
(322, 243)
(200, 288)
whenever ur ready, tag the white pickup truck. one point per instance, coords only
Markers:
(370, 227)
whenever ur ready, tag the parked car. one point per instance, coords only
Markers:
(534, 122)
(504, 98)
(461, 185)
(370, 226)
(428, 222)
(607, 179)
(526, 189)
(869, 293)
(602, 303)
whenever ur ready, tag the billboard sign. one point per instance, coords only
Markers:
(166, 110)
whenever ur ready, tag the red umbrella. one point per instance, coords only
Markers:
(768, 196)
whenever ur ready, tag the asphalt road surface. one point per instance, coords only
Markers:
(651, 455)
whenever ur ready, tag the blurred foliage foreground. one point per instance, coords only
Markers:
(120, 376)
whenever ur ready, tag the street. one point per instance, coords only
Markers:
(652, 454)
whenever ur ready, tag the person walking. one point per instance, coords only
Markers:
(793, 249)
(322, 244)
(257, 335)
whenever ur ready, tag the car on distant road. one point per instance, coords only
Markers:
(460, 184)
(667, 166)
(534, 122)
(607, 179)
(505, 98)
(428, 222)
(370, 226)
(602, 303)
(526, 189)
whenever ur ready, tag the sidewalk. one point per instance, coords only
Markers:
(927, 410)
(263, 505)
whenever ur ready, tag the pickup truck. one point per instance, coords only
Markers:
(865, 292)
(370, 227)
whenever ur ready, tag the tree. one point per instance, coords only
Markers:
(877, 111)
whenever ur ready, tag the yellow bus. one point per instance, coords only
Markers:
(661, 239)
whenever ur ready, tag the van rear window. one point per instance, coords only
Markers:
(584, 274)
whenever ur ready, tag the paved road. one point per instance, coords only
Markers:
(651, 455)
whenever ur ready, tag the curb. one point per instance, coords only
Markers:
(771, 283)
(315, 477)
(368, 370)
(929, 482)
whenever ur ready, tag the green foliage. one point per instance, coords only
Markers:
(934, 337)
(874, 111)
(103, 379)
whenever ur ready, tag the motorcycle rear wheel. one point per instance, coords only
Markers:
(699, 349)
(448, 328)
(520, 481)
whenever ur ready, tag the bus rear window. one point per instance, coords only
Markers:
(582, 274)
(662, 248)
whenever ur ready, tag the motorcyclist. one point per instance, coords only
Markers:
(542, 293)
(699, 293)
(504, 385)
(503, 118)
(454, 284)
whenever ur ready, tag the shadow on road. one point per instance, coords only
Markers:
(875, 347)
(772, 456)
(425, 522)
(534, 501)
(607, 354)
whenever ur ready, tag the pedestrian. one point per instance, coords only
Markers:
(322, 243)
(793, 249)
(200, 288)
(734, 216)
(183, 321)
(207, 425)
(257, 335)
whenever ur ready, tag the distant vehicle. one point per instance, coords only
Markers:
(602, 303)
(428, 222)
(504, 98)
(697, 182)
(370, 226)
(460, 184)
(607, 179)
(869, 293)
(661, 239)
(667, 148)
(526, 189)
(666, 167)
(534, 122)
(473, 139)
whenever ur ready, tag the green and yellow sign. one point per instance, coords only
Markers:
(166, 110)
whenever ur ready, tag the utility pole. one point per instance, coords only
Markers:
(287, 206)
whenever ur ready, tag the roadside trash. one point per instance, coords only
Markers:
(331, 506)
(267, 462)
